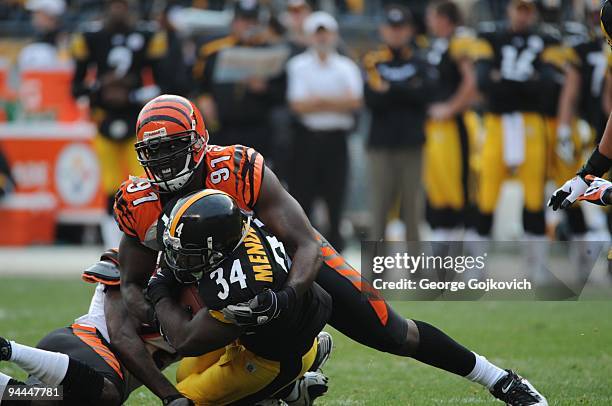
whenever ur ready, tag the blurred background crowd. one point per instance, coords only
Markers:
(384, 119)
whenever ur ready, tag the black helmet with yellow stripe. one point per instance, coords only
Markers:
(605, 18)
(203, 229)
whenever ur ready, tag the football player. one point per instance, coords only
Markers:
(173, 149)
(446, 148)
(231, 257)
(516, 72)
(120, 52)
(103, 356)
(600, 160)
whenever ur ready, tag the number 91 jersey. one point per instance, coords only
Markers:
(236, 170)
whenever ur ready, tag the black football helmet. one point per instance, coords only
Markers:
(203, 229)
(606, 21)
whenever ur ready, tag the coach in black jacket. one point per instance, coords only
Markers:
(397, 92)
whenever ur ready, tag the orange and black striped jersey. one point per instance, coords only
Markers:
(236, 170)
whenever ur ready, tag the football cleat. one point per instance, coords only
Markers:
(515, 390)
(325, 345)
(5, 349)
(306, 389)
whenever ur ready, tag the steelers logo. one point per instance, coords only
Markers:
(77, 175)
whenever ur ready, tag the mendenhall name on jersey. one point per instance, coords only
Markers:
(236, 170)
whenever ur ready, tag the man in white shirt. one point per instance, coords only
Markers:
(44, 51)
(324, 91)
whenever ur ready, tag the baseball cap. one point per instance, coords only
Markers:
(51, 7)
(397, 15)
(320, 19)
(246, 9)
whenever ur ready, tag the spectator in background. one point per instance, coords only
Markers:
(397, 92)
(119, 52)
(49, 48)
(238, 112)
(7, 183)
(324, 90)
(446, 149)
(297, 12)
(175, 67)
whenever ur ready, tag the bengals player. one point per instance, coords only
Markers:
(173, 149)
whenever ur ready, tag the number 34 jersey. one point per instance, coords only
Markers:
(237, 170)
(259, 263)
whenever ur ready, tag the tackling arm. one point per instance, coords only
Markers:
(283, 215)
(131, 350)
(137, 263)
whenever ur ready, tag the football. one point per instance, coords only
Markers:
(189, 298)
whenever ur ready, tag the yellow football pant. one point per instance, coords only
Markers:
(233, 373)
(494, 171)
(558, 170)
(443, 173)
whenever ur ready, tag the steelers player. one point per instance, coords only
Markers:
(515, 67)
(119, 51)
(446, 146)
(600, 160)
(580, 113)
(174, 152)
(232, 258)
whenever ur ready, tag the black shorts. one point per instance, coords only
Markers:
(86, 344)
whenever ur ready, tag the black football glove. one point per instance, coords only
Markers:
(263, 308)
(162, 284)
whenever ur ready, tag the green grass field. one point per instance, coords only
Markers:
(563, 348)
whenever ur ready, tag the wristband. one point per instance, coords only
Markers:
(597, 164)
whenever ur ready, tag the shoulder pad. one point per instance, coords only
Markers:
(136, 209)
(236, 170)
(104, 272)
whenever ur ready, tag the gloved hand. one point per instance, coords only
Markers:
(263, 308)
(568, 193)
(598, 192)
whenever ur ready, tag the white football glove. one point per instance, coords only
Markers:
(568, 193)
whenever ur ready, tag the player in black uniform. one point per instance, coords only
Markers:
(600, 160)
(231, 257)
(446, 148)
(120, 52)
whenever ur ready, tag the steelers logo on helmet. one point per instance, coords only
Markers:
(203, 230)
(171, 141)
(605, 18)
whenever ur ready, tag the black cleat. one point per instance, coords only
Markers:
(5, 349)
(515, 390)
(324, 350)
